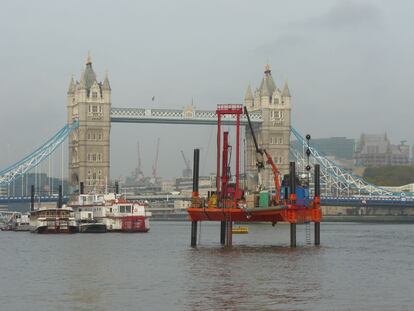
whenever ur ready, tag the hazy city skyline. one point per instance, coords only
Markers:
(347, 64)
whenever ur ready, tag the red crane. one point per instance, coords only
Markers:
(269, 160)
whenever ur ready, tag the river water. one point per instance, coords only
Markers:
(357, 267)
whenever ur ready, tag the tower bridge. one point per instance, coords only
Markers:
(90, 115)
(89, 103)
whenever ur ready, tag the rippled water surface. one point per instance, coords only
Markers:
(358, 267)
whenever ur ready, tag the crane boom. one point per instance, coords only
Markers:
(269, 159)
(259, 152)
(186, 162)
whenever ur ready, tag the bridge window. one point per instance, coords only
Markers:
(100, 136)
(94, 94)
(276, 101)
(280, 140)
(276, 114)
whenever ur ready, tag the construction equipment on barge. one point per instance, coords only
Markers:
(231, 204)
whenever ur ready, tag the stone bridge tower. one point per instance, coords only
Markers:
(274, 133)
(89, 101)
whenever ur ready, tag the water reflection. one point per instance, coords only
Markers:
(251, 277)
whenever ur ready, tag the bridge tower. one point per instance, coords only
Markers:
(89, 101)
(274, 133)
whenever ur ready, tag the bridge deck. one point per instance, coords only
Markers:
(175, 116)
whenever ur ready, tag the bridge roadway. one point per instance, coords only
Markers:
(360, 201)
(175, 116)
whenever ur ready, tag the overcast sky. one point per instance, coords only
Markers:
(349, 65)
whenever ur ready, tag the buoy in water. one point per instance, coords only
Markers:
(240, 230)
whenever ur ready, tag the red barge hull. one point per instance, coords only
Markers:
(289, 214)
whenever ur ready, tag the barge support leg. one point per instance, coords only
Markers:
(317, 233)
(317, 195)
(229, 233)
(194, 197)
(292, 235)
(193, 233)
(222, 232)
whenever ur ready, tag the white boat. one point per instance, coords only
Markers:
(23, 223)
(51, 219)
(116, 213)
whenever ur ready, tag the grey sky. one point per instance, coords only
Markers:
(348, 63)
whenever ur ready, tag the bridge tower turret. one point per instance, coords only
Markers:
(274, 133)
(89, 101)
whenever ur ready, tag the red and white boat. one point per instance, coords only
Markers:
(113, 210)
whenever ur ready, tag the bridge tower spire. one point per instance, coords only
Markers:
(274, 133)
(89, 101)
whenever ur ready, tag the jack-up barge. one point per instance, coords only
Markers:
(230, 204)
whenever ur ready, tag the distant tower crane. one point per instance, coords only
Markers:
(154, 166)
(139, 172)
(187, 171)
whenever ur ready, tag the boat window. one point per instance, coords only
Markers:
(122, 209)
(128, 208)
(110, 209)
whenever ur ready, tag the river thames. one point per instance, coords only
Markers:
(357, 267)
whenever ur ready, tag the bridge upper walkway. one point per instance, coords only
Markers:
(176, 116)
